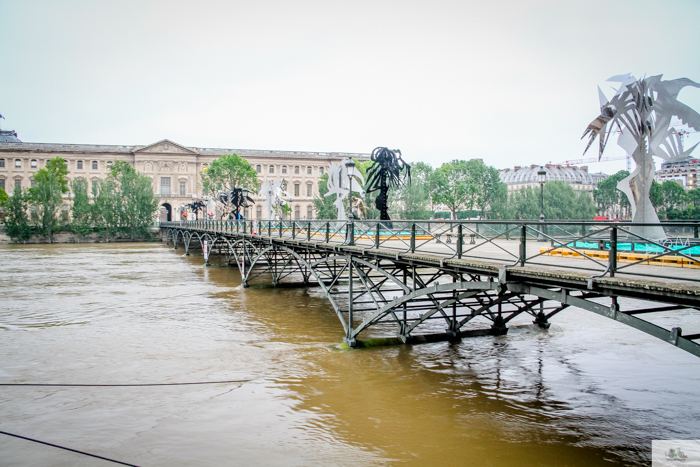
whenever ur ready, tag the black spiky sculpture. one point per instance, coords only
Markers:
(388, 171)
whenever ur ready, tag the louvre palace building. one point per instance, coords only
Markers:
(175, 169)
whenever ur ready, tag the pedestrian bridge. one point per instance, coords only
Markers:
(421, 281)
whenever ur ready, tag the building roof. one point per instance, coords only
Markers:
(166, 146)
(566, 174)
(9, 136)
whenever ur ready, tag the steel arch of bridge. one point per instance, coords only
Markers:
(398, 295)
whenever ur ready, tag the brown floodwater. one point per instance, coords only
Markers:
(588, 392)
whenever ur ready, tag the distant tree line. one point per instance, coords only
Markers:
(121, 204)
(467, 189)
(669, 198)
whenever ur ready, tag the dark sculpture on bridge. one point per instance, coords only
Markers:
(196, 206)
(239, 199)
(388, 171)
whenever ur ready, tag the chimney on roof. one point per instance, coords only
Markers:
(517, 167)
(584, 168)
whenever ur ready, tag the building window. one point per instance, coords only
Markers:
(296, 170)
(258, 168)
(320, 170)
(245, 212)
(94, 187)
(32, 183)
(18, 183)
(164, 185)
(309, 212)
(272, 169)
(308, 171)
(18, 164)
(182, 188)
(284, 169)
(80, 165)
(33, 164)
(297, 212)
(109, 165)
(2, 183)
(258, 212)
(296, 189)
(309, 189)
(2, 163)
(94, 165)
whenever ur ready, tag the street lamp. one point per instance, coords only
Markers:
(541, 178)
(349, 228)
(350, 166)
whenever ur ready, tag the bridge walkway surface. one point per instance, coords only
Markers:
(420, 281)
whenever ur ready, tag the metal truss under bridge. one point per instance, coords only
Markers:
(421, 281)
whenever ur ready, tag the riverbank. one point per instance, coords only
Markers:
(70, 237)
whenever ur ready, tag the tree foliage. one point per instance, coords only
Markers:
(16, 219)
(226, 173)
(323, 205)
(607, 195)
(81, 210)
(46, 196)
(412, 201)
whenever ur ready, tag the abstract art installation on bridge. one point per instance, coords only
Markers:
(234, 201)
(275, 197)
(339, 185)
(388, 171)
(642, 110)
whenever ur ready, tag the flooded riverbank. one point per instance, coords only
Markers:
(588, 392)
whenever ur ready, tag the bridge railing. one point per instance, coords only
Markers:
(599, 248)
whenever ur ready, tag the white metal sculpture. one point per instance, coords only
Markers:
(339, 185)
(275, 195)
(642, 111)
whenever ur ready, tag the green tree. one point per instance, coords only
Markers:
(487, 184)
(452, 185)
(3, 197)
(106, 207)
(561, 201)
(500, 207)
(673, 195)
(694, 197)
(137, 202)
(82, 210)
(606, 194)
(16, 219)
(656, 195)
(412, 199)
(226, 173)
(46, 196)
(124, 202)
(323, 205)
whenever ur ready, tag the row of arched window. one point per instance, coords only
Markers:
(35, 164)
(297, 169)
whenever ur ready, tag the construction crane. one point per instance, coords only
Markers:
(590, 160)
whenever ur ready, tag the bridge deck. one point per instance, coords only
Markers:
(409, 281)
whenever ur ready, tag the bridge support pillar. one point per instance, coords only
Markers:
(499, 327)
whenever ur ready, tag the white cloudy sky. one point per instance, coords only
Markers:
(512, 82)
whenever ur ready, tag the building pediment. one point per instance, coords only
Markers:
(165, 147)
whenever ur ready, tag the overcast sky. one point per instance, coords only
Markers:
(512, 82)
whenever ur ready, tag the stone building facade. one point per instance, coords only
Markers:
(175, 169)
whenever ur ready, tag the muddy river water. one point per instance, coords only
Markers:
(588, 392)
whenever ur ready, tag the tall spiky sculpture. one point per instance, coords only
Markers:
(388, 171)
